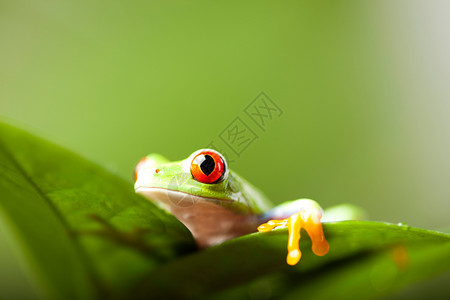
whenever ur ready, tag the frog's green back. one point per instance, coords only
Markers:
(251, 196)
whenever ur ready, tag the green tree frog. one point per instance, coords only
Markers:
(216, 204)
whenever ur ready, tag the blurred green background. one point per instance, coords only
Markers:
(363, 87)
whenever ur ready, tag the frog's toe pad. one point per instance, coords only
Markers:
(321, 248)
(293, 257)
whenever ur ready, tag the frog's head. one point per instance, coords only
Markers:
(203, 176)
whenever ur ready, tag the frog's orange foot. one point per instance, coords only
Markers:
(308, 219)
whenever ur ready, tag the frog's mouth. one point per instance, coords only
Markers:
(170, 199)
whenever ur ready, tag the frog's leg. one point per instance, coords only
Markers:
(295, 215)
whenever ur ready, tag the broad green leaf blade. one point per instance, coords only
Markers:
(14, 283)
(77, 231)
(38, 240)
(369, 275)
(254, 256)
(375, 274)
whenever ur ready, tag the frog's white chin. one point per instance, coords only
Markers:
(209, 222)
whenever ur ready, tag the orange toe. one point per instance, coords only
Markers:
(310, 221)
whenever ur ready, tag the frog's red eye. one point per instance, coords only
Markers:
(208, 166)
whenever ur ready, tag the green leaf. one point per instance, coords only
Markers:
(377, 273)
(71, 230)
(261, 257)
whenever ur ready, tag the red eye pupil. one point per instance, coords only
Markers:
(208, 167)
